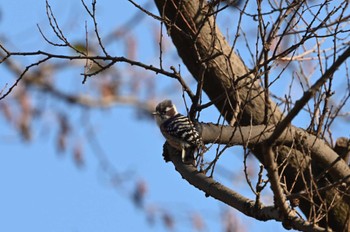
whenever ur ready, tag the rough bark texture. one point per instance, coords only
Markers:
(209, 57)
(197, 43)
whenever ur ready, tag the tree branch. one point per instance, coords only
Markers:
(228, 196)
(252, 136)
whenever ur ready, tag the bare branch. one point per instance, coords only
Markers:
(218, 191)
(307, 96)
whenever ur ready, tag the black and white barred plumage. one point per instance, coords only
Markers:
(178, 129)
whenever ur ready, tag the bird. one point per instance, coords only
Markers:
(178, 130)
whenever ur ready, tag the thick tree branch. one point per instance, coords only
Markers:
(251, 136)
(222, 193)
(199, 41)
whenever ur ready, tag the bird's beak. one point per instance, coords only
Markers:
(154, 113)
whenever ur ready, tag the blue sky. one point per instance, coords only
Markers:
(45, 191)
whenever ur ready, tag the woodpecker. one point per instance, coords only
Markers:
(178, 130)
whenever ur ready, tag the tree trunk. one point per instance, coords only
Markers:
(239, 96)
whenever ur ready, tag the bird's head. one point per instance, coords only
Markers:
(165, 110)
